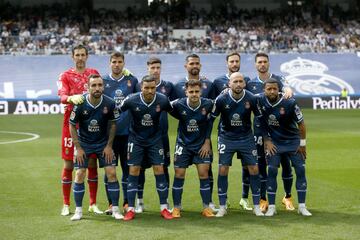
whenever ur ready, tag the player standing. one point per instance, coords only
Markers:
(193, 145)
(145, 139)
(72, 84)
(92, 138)
(233, 62)
(166, 88)
(256, 86)
(118, 85)
(193, 67)
(236, 136)
(287, 132)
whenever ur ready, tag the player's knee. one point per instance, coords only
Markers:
(134, 170)
(180, 173)
(111, 174)
(80, 175)
(253, 169)
(223, 170)
(158, 169)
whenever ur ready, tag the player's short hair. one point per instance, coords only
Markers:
(148, 78)
(117, 55)
(153, 60)
(192, 83)
(193, 55)
(271, 81)
(78, 47)
(93, 76)
(233, 54)
(261, 54)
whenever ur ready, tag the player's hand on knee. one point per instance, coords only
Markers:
(108, 154)
(80, 156)
(205, 149)
(270, 147)
(76, 99)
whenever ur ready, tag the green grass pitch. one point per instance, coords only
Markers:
(30, 190)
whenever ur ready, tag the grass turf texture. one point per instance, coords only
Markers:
(30, 196)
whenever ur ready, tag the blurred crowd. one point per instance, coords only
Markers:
(48, 30)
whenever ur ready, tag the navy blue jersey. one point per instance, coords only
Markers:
(93, 121)
(282, 119)
(194, 125)
(235, 121)
(256, 85)
(222, 82)
(119, 89)
(206, 89)
(145, 117)
(166, 88)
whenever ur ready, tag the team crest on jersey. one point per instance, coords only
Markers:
(203, 111)
(163, 90)
(129, 83)
(247, 105)
(147, 120)
(204, 86)
(116, 113)
(236, 120)
(93, 126)
(72, 115)
(193, 126)
(158, 109)
(273, 121)
(282, 111)
(105, 110)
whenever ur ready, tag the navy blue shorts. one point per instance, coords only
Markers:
(99, 154)
(185, 157)
(140, 154)
(245, 149)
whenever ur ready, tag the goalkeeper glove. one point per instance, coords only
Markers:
(75, 99)
(126, 72)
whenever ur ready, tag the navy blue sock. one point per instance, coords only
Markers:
(272, 184)
(177, 191)
(222, 189)
(162, 188)
(140, 192)
(263, 177)
(205, 191)
(211, 181)
(301, 184)
(106, 189)
(287, 180)
(255, 188)
(124, 183)
(114, 192)
(167, 177)
(79, 190)
(132, 189)
(245, 183)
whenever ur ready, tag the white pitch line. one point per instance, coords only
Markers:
(33, 137)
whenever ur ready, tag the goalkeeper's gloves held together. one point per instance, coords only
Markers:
(75, 99)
